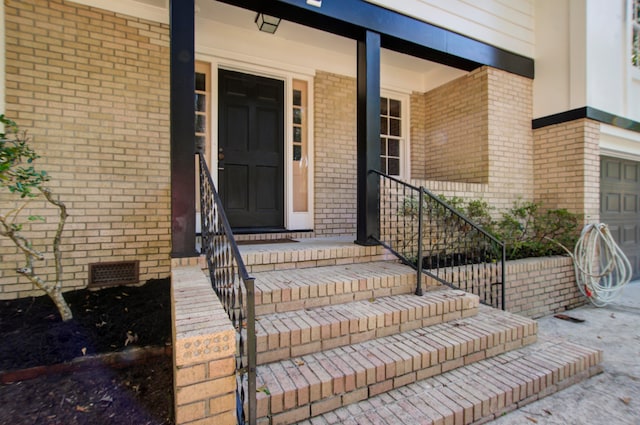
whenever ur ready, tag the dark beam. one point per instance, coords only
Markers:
(398, 32)
(586, 112)
(368, 144)
(183, 211)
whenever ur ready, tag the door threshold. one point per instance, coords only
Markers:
(262, 230)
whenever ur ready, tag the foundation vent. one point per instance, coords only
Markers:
(113, 273)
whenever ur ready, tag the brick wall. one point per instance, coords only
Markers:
(456, 131)
(204, 351)
(476, 140)
(538, 287)
(418, 134)
(92, 89)
(510, 109)
(567, 167)
(335, 154)
(470, 137)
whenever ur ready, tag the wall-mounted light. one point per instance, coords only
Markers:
(316, 3)
(267, 23)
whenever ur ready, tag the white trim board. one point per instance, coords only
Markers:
(619, 143)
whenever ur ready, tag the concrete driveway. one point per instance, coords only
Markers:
(611, 398)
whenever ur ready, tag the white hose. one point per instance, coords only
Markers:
(602, 269)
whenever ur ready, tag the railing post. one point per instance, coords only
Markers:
(251, 350)
(504, 276)
(419, 291)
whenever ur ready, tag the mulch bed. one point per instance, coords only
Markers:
(84, 379)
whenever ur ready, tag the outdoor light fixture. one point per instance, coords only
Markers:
(267, 23)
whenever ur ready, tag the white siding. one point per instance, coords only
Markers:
(582, 58)
(608, 57)
(508, 24)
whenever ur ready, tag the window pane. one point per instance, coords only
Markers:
(297, 152)
(201, 82)
(394, 148)
(383, 106)
(297, 116)
(383, 165)
(635, 48)
(201, 124)
(297, 98)
(383, 146)
(200, 143)
(201, 103)
(394, 167)
(394, 108)
(384, 129)
(297, 135)
(394, 127)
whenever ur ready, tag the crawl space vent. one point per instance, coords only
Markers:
(115, 273)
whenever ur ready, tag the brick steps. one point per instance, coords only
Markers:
(476, 393)
(296, 333)
(313, 384)
(312, 252)
(288, 290)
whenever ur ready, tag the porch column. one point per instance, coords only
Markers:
(183, 173)
(368, 144)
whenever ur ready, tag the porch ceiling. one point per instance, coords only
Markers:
(351, 18)
(244, 19)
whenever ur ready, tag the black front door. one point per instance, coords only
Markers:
(251, 150)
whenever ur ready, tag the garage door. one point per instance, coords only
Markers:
(620, 205)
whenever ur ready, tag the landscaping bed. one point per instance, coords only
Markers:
(108, 365)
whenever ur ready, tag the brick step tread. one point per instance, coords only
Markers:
(476, 393)
(296, 333)
(326, 380)
(311, 252)
(286, 290)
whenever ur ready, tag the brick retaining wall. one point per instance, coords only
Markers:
(204, 350)
(538, 287)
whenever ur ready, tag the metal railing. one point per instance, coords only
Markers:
(235, 289)
(429, 235)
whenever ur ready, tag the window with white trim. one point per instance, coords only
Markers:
(635, 33)
(391, 136)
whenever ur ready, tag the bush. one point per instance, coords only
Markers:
(19, 178)
(526, 228)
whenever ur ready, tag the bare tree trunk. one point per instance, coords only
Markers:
(53, 290)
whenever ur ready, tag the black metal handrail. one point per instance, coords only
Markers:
(235, 289)
(431, 236)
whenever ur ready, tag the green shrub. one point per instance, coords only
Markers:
(526, 228)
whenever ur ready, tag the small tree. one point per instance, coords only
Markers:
(19, 177)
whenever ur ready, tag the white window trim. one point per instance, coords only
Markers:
(235, 62)
(405, 147)
(619, 143)
(633, 70)
(3, 81)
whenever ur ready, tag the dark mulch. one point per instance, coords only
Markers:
(118, 319)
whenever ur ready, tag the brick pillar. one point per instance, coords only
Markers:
(567, 167)
(203, 356)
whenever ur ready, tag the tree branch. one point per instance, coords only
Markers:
(56, 240)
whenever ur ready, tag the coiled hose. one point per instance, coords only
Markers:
(602, 269)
